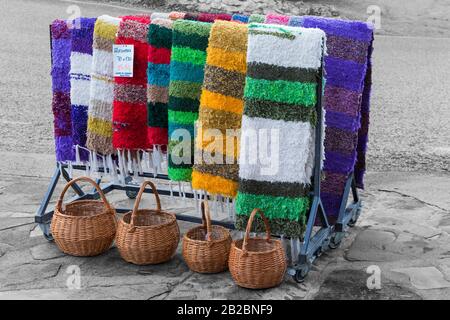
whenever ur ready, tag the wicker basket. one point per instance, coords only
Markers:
(84, 227)
(257, 263)
(206, 248)
(147, 236)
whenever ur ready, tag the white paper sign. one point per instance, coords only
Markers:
(123, 60)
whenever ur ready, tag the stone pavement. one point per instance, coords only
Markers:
(403, 232)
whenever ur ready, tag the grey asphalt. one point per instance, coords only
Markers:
(410, 106)
(25, 86)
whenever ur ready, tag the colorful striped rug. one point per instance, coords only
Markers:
(130, 94)
(191, 16)
(80, 79)
(211, 17)
(100, 130)
(295, 21)
(280, 99)
(240, 18)
(259, 18)
(221, 106)
(158, 76)
(273, 18)
(347, 66)
(206, 17)
(189, 43)
(175, 15)
(61, 107)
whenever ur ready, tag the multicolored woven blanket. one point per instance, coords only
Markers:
(274, 18)
(280, 98)
(206, 17)
(130, 94)
(260, 18)
(240, 18)
(191, 16)
(100, 130)
(158, 76)
(175, 15)
(61, 46)
(189, 43)
(80, 79)
(221, 106)
(347, 67)
(295, 21)
(211, 17)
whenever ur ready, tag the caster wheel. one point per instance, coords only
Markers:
(300, 275)
(354, 219)
(45, 228)
(48, 237)
(335, 243)
(131, 194)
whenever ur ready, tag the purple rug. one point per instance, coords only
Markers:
(61, 45)
(347, 96)
(360, 167)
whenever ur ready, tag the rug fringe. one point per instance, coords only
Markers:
(70, 169)
(77, 155)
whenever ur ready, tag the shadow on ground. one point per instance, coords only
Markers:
(351, 285)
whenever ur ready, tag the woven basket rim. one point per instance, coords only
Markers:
(233, 244)
(106, 211)
(170, 215)
(187, 238)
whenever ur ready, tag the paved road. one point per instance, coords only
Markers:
(25, 86)
(410, 107)
(400, 17)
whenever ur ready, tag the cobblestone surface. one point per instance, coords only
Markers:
(402, 231)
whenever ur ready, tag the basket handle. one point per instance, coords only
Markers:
(97, 187)
(139, 196)
(206, 219)
(249, 228)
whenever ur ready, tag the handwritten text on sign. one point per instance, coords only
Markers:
(123, 60)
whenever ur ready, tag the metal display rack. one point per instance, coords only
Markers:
(316, 240)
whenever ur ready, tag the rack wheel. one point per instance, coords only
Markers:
(131, 194)
(48, 237)
(354, 219)
(335, 241)
(300, 274)
(45, 228)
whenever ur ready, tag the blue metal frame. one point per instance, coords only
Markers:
(348, 213)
